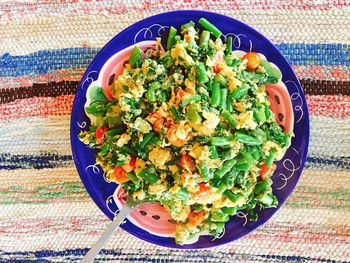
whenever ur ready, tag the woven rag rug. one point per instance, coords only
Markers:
(45, 213)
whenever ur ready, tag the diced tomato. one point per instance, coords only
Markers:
(169, 122)
(100, 134)
(173, 139)
(132, 162)
(120, 174)
(253, 60)
(180, 93)
(264, 171)
(216, 68)
(187, 162)
(195, 218)
(187, 38)
(158, 124)
(203, 188)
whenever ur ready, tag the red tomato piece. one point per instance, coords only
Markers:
(253, 60)
(187, 162)
(195, 218)
(120, 174)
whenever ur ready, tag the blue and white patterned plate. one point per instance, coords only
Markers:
(245, 38)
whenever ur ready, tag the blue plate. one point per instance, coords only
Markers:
(246, 38)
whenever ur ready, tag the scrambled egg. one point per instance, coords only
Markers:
(142, 125)
(245, 120)
(124, 139)
(159, 156)
(180, 55)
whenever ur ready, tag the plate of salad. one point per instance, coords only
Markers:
(198, 113)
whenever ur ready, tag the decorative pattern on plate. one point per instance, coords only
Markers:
(148, 34)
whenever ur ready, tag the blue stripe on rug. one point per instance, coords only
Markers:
(77, 254)
(47, 60)
(11, 162)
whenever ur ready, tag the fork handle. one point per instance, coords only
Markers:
(123, 213)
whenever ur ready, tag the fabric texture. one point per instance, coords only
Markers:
(45, 213)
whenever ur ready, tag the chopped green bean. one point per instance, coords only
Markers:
(146, 138)
(225, 168)
(239, 93)
(267, 112)
(149, 177)
(133, 178)
(229, 118)
(222, 187)
(201, 72)
(259, 115)
(171, 38)
(204, 171)
(262, 186)
(223, 98)
(229, 210)
(271, 157)
(219, 216)
(215, 97)
(220, 141)
(204, 39)
(213, 152)
(221, 79)
(229, 103)
(210, 27)
(187, 25)
(189, 99)
(233, 197)
(247, 139)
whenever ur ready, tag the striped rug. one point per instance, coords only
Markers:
(45, 212)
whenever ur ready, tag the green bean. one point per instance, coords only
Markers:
(215, 97)
(243, 167)
(175, 114)
(193, 114)
(262, 186)
(133, 178)
(187, 25)
(149, 177)
(151, 96)
(115, 131)
(223, 99)
(271, 157)
(129, 150)
(229, 118)
(209, 85)
(229, 210)
(219, 216)
(233, 197)
(229, 105)
(210, 27)
(188, 99)
(204, 39)
(229, 46)
(171, 38)
(204, 171)
(221, 79)
(222, 187)
(239, 93)
(201, 73)
(267, 112)
(213, 152)
(146, 139)
(220, 141)
(247, 139)
(256, 153)
(268, 199)
(225, 168)
(135, 56)
(155, 140)
(247, 155)
(259, 115)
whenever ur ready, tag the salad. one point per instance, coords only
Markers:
(190, 127)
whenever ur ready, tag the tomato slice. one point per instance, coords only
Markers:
(187, 162)
(253, 60)
(120, 174)
(100, 134)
